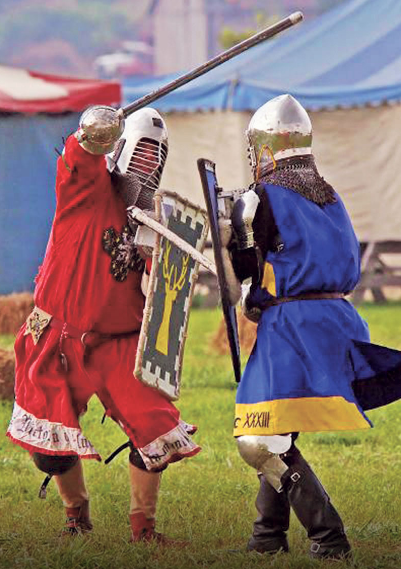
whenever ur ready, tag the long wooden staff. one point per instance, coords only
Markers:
(265, 34)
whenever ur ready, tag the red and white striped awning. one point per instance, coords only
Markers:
(27, 91)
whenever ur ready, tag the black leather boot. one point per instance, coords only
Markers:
(269, 528)
(313, 508)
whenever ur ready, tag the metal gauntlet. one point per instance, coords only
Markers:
(100, 127)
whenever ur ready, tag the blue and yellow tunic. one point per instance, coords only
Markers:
(309, 353)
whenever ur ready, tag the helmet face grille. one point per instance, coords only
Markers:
(145, 148)
(147, 162)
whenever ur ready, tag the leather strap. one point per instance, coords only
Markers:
(89, 339)
(304, 296)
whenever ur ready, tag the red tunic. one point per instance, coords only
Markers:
(77, 284)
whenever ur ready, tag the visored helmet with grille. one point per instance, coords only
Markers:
(142, 149)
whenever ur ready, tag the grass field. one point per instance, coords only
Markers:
(209, 499)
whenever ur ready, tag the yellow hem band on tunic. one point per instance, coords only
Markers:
(306, 414)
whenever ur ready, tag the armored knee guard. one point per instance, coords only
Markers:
(53, 465)
(263, 453)
(136, 459)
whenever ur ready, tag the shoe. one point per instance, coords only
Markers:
(337, 551)
(269, 546)
(143, 530)
(78, 521)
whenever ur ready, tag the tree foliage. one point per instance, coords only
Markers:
(229, 37)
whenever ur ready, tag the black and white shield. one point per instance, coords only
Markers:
(214, 204)
(168, 301)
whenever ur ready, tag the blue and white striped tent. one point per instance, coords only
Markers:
(350, 56)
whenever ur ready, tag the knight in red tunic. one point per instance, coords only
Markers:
(81, 338)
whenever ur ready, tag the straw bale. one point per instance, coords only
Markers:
(14, 309)
(246, 333)
(7, 367)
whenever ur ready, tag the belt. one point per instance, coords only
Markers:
(89, 339)
(303, 296)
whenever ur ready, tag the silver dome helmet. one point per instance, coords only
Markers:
(143, 147)
(281, 128)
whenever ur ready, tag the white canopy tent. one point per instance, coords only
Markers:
(357, 150)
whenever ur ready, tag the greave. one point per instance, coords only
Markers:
(313, 508)
(271, 525)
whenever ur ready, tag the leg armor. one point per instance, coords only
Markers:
(263, 453)
(136, 459)
(313, 508)
(299, 488)
(68, 474)
(272, 523)
(54, 464)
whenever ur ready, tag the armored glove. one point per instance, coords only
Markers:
(145, 283)
(100, 127)
(145, 238)
(225, 230)
(253, 313)
(234, 286)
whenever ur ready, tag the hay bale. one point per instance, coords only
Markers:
(7, 369)
(246, 333)
(14, 310)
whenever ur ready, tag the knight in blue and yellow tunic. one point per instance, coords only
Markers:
(312, 367)
(299, 376)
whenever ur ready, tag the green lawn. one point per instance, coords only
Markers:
(7, 342)
(209, 499)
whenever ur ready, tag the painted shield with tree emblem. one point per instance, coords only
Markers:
(171, 285)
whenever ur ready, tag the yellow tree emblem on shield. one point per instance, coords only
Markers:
(173, 284)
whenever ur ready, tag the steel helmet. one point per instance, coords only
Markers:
(281, 128)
